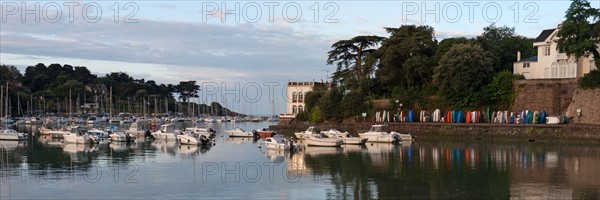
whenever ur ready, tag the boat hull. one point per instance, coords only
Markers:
(323, 142)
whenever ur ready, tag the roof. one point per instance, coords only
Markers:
(530, 59)
(544, 35)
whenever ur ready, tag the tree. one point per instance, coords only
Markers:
(504, 43)
(462, 71)
(446, 44)
(349, 56)
(405, 58)
(187, 90)
(9, 73)
(578, 36)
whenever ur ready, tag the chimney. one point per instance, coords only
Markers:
(518, 56)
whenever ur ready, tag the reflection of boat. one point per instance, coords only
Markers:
(239, 132)
(121, 146)
(317, 140)
(10, 144)
(187, 149)
(314, 150)
(379, 133)
(165, 145)
(308, 132)
(239, 140)
(278, 142)
(77, 148)
(11, 134)
(275, 155)
(354, 148)
(166, 132)
(345, 136)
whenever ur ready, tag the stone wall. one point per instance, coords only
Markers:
(550, 95)
(588, 100)
(521, 132)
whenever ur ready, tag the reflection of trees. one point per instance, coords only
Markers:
(398, 173)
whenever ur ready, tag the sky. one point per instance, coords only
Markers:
(260, 45)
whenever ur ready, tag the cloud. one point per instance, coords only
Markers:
(190, 49)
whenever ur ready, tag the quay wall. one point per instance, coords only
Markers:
(522, 132)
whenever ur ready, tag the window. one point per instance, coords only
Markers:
(294, 110)
(526, 65)
(300, 108)
(547, 50)
(294, 97)
(300, 98)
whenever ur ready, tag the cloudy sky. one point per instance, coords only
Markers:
(216, 42)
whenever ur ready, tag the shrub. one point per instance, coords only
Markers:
(590, 80)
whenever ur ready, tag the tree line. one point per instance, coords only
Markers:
(410, 65)
(50, 89)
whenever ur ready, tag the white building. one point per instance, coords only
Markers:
(549, 63)
(296, 92)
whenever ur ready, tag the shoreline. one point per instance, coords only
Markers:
(571, 133)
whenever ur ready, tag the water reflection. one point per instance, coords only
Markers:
(450, 169)
(428, 169)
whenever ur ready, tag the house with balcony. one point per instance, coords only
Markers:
(549, 62)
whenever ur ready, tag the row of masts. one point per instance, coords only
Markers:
(104, 104)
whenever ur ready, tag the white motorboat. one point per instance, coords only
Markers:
(278, 142)
(317, 140)
(189, 139)
(198, 131)
(308, 132)
(209, 120)
(345, 136)
(11, 134)
(379, 133)
(98, 133)
(239, 132)
(79, 137)
(166, 132)
(135, 129)
(44, 131)
(65, 130)
(122, 137)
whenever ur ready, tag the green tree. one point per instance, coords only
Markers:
(352, 104)
(349, 56)
(590, 80)
(405, 58)
(9, 73)
(187, 90)
(504, 43)
(577, 35)
(462, 71)
(499, 92)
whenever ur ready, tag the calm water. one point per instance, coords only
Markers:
(236, 168)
